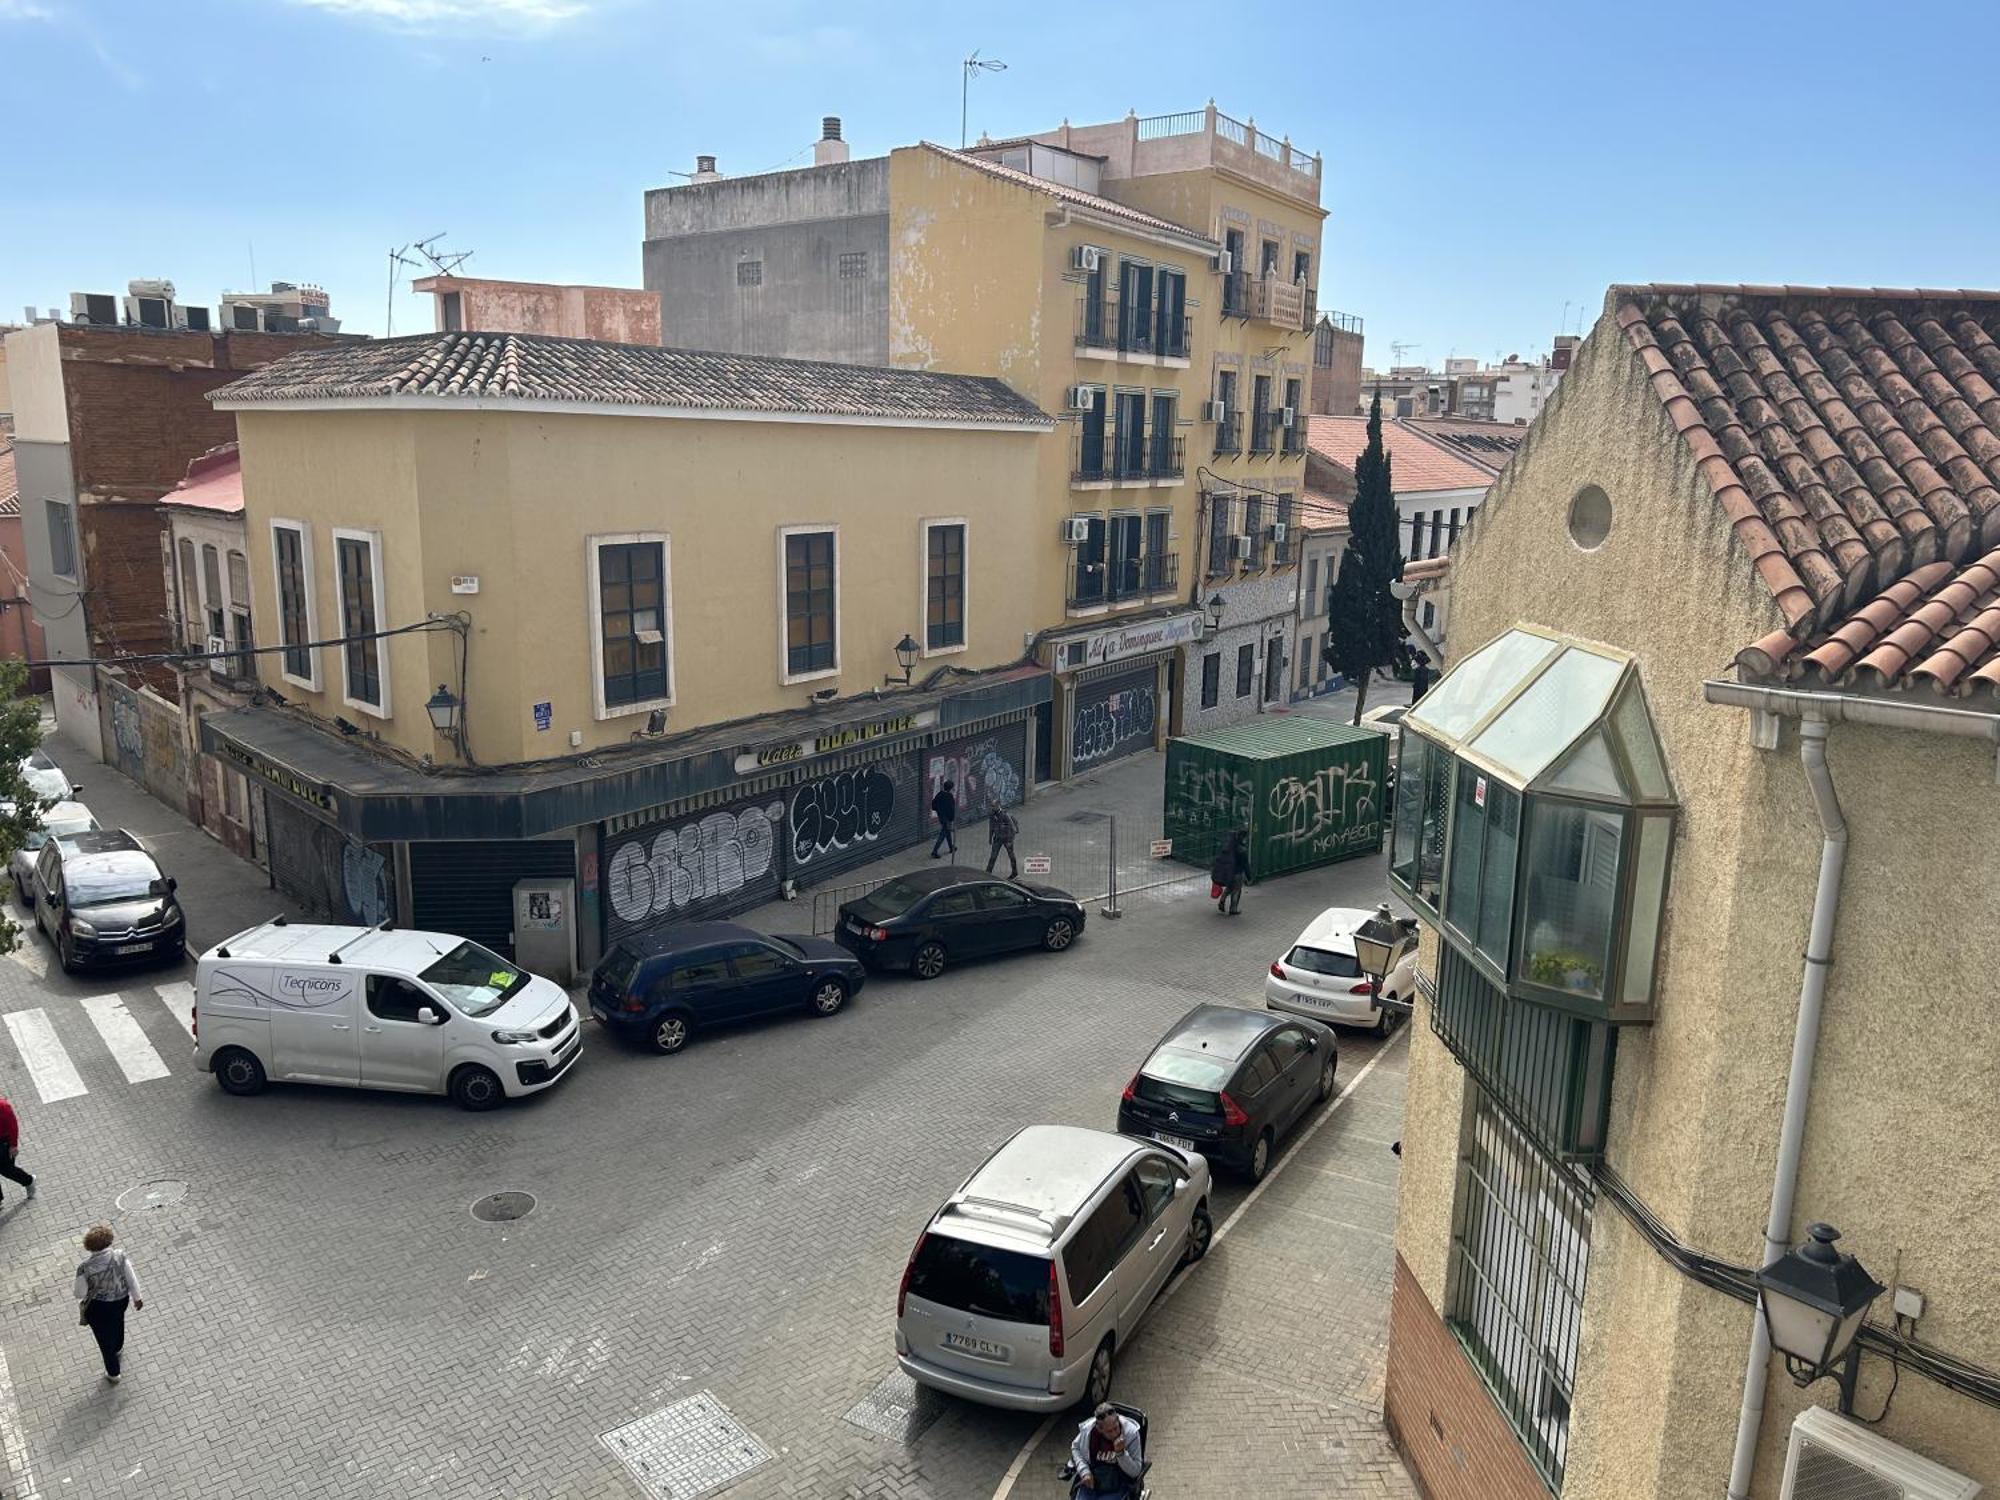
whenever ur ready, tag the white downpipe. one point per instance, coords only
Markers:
(1409, 593)
(1798, 1090)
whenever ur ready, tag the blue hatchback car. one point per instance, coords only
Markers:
(662, 986)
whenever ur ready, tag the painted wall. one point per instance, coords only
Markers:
(34, 378)
(496, 495)
(1259, 612)
(20, 633)
(617, 315)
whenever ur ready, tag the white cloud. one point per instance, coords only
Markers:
(24, 10)
(422, 15)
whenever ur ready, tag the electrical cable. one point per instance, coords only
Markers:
(456, 624)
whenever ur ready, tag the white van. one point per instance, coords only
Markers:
(374, 1008)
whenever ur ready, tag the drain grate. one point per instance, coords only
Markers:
(503, 1208)
(898, 1409)
(162, 1192)
(687, 1449)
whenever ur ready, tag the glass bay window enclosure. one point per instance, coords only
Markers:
(1534, 822)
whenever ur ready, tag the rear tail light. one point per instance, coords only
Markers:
(194, 1021)
(878, 934)
(1363, 988)
(1055, 1315)
(1232, 1112)
(1130, 1088)
(632, 1004)
(903, 1291)
(1277, 969)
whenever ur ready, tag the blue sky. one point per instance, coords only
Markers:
(1486, 165)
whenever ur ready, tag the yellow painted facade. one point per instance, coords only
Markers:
(515, 498)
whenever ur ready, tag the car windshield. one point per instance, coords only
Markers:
(124, 876)
(981, 1279)
(897, 897)
(1321, 961)
(46, 781)
(474, 979)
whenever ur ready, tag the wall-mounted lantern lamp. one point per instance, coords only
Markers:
(906, 658)
(1214, 620)
(1814, 1298)
(443, 708)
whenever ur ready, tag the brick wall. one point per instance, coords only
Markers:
(1451, 1435)
(126, 595)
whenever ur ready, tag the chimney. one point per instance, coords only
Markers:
(830, 147)
(704, 170)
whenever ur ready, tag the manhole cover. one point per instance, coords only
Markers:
(159, 1193)
(503, 1208)
(898, 1409)
(687, 1449)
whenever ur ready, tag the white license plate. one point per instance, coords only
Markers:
(854, 926)
(965, 1343)
(1178, 1142)
(133, 948)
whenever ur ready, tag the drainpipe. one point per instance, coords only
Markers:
(1798, 1090)
(1409, 594)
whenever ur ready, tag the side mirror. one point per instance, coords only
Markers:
(1312, 1043)
(1180, 1186)
(172, 885)
(428, 1016)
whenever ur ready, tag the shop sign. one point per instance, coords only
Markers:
(1140, 638)
(291, 784)
(545, 715)
(788, 752)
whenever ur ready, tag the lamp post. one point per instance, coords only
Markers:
(906, 658)
(1814, 1298)
(443, 706)
(1378, 946)
(1213, 622)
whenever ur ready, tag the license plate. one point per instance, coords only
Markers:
(857, 927)
(602, 1012)
(1178, 1142)
(133, 948)
(965, 1343)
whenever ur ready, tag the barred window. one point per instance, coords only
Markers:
(809, 602)
(749, 273)
(853, 265)
(944, 597)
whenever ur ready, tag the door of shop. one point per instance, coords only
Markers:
(1113, 716)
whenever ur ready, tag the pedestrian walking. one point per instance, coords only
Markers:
(10, 1147)
(1001, 830)
(106, 1284)
(945, 805)
(1227, 874)
(1420, 677)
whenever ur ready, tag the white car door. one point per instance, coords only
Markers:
(313, 1035)
(399, 1051)
(1157, 1249)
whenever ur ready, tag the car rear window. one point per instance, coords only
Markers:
(1184, 1080)
(894, 898)
(1320, 961)
(983, 1280)
(619, 966)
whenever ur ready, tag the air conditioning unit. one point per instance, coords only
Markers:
(146, 311)
(97, 308)
(1085, 257)
(1287, 415)
(1278, 532)
(1082, 398)
(1215, 411)
(218, 651)
(1225, 263)
(1239, 547)
(1831, 1458)
(1076, 530)
(196, 318)
(243, 317)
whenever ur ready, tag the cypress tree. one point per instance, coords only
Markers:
(1365, 620)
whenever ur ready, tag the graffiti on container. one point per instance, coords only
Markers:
(364, 876)
(703, 858)
(839, 811)
(982, 774)
(1101, 728)
(1213, 797)
(1331, 811)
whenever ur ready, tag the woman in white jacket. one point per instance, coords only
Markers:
(105, 1285)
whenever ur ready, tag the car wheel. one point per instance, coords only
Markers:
(928, 961)
(828, 997)
(1260, 1157)
(1061, 933)
(475, 1088)
(670, 1032)
(1385, 1021)
(1200, 1232)
(1097, 1389)
(66, 953)
(1326, 1080)
(238, 1072)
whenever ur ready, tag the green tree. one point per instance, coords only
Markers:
(1365, 620)
(20, 808)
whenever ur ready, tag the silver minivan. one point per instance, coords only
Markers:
(1025, 1285)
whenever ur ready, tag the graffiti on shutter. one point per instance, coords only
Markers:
(986, 770)
(844, 817)
(677, 869)
(1113, 717)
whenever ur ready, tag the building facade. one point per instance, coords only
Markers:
(672, 702)
(473, 304)
(1338, 348)
(20, 634)
(1719, 719)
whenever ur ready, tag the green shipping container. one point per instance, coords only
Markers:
(1308, 790)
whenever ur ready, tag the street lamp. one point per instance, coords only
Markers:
(443, 707)
(1376, 941)
(1214, 621)
(1814, 1298)
(906, 658)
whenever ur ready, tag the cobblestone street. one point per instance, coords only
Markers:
(324, 1316)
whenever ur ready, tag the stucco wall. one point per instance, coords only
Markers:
(34, 378)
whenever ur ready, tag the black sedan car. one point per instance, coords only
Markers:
(1228, 1083)
(102, 900)
(931, 918)
(661, 987)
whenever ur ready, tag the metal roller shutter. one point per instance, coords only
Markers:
(468, 888)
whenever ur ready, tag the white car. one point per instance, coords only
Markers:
(46, 780)
(63, 818)
(1320, 977)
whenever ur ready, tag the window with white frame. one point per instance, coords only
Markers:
(61, 517)
(631, 613)
(944, 585)
(190, 595)
(364, 663)
(811, 600)
(211, 591)
(291, 563)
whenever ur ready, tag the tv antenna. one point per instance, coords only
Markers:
(447, 262)
(398, 257)
(1397, 347)
(973, 64)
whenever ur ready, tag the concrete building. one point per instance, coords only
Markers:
(289, 307)
(1337, 353)
(473, 304)
(680, 697)
(20, 632)
(1718, 730)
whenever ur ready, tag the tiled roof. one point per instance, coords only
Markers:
(1320, 512)
(10, 486)
(1063, 193)
(1416, 464)
(533, 367)
(1488, 444)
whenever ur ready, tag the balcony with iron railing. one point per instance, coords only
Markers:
(1102, 459)
(1229, 433)
(1208, 137)
(1294, 440)
(1263, 432)
(1124, 580)
(1105, 325)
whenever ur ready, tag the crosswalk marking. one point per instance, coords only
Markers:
(54, 1076)
(124, 1039)
(179, 998)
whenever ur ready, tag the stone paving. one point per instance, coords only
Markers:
(326, 1318)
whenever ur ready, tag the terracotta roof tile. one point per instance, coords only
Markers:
(1417, 463)
(532, 367)
(10, 487)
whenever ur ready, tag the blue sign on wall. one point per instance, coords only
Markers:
(545, 715)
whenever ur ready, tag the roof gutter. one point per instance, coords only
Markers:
(1769, 704)
(1065, 214)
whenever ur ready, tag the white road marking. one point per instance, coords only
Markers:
(13, 1443)
(30, 952)
(124, 1038)
(178, 997)
(1029, 1449)
(55, 1077)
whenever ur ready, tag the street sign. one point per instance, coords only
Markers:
(545, 715)
(1162, 848)
(1036, 864)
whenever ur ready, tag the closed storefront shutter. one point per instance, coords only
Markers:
(702, 863)
(1112, 717)
(468, 888)
(986, 770)
(836, 819)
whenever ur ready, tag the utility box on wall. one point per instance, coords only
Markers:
(545, 928)
(1307, 791)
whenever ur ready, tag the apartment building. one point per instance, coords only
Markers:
(478, 304)
(787, 612)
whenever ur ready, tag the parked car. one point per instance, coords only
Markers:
(1319, 976)
(367, 1007)
(102, 899)
(1229, 1083)
(1023, 1288)
(59, 821)
(663, 986)
(46, 779)
(926, 920)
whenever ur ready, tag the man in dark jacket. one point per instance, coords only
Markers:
(1000, 832)
(1227, 874)
(10, 1143)
(945, 805)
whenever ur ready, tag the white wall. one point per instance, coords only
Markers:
(34, 377)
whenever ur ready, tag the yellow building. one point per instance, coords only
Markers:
(657, 598)
(1698, 824)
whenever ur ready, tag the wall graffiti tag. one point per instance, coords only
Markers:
(1213, 798)
(1335, 809)
(985, 772)
(1113, 718)
(835, 814)
(364, 874)
(659, 871)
